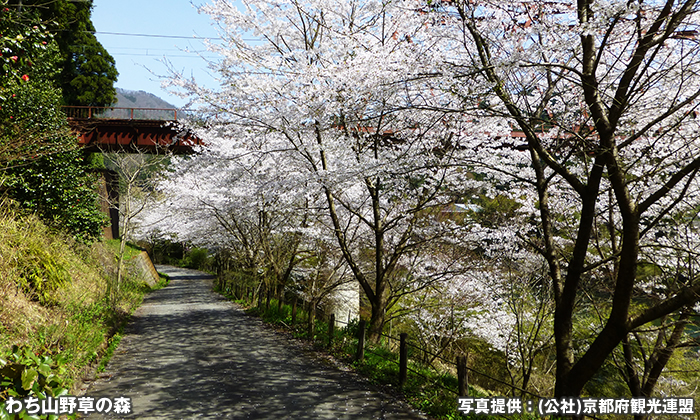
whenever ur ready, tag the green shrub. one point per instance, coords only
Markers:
(23, 373)
(196, 258)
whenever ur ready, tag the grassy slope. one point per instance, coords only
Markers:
(52, 297)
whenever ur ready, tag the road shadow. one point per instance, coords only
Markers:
(188, 353)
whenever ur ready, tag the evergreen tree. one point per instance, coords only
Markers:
(87, 70)
(40, 165)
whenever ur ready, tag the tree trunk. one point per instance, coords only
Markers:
(310, 320)
(376, 322)
(261, 290)
(280, 298)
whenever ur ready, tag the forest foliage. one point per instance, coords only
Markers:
(55, 320)
(40, 165)
(520, 173)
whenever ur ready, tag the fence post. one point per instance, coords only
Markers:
(331, 326)
(361, 341)
(462, 377)
(403, 359)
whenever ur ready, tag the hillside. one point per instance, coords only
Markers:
(140, 99)
(54, 317)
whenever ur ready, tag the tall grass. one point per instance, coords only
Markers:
(52, 298)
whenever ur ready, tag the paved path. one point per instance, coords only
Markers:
(190, 354)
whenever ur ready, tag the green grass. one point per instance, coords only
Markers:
(163, 280)
(131, 251)
(109, 352)
(54, 318)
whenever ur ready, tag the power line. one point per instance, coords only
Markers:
(157, 55)
(155, 51)
(195, 37)
(170, 36)
(155, 35)
(152, 49)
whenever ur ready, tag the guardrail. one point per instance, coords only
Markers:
(119, 113)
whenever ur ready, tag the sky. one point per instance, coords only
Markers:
(173, 26)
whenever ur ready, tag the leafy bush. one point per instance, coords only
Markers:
(54, 319)
(62, 192)
(23, 373)
(42, 169)
(196, 258)
(32, 123)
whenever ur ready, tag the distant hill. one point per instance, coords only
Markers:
(139, 99)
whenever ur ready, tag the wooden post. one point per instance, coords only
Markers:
(294, 310)
(331, 326)
(462, 377)
(361, 341)
(403, 359)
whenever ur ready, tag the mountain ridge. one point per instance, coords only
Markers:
(140, 99)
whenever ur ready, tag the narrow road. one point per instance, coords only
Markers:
(188, 353)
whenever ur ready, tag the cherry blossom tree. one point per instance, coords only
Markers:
(331, 91)
(136, 173)
(585, 112)
(576, 120)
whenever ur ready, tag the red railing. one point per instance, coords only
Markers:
(119, 113)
